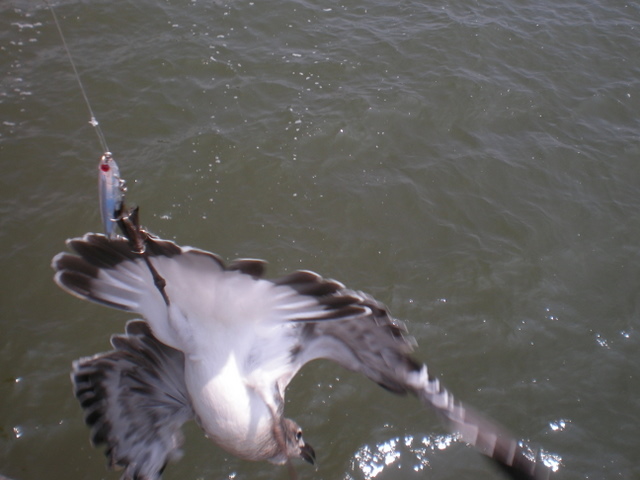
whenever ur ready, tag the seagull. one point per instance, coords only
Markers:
(218, 343)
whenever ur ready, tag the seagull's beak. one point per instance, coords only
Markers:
(307, 454)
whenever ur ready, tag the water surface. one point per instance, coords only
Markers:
(474, 165)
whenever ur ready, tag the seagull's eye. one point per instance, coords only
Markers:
(299, 435)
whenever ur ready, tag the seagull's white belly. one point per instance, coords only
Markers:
(232, 414)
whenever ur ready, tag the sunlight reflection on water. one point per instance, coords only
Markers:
(372, 460)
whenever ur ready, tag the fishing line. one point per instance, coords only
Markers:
(94, 123)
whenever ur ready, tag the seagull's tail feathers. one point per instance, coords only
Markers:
(109, 271)
(135, 401)
(485, 435)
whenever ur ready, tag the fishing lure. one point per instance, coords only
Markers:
(110, 185)
(111, 192)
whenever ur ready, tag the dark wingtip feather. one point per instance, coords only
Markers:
(249, 266)
(138, 327)
(75, 282)
(158, 247)
(100, 251)
(78, 284)
(310, 283)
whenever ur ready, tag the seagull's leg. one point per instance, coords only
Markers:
(130, 226)
(293, 474)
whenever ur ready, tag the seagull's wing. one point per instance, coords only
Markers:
(108, 271)
(135, 401)
(377, 346)
(188, 295)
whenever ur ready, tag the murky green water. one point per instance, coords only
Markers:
(474, 165)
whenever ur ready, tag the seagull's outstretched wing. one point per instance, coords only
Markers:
(186, 294)
(135, 401)
(376, 345)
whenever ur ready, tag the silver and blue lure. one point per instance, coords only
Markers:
(110, 185)
(111, 192)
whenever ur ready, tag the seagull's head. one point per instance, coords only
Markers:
(295, 444)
